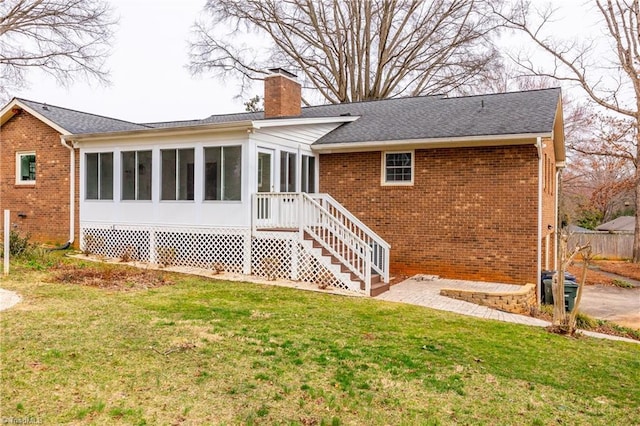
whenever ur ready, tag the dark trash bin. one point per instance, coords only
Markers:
(570, 293)
(548, 275)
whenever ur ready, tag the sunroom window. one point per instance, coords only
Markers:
(136, 175)
(99, 176)
(287, 172)
(223, 173)
(177, 174)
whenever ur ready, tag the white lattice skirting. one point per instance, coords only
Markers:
(271, 255)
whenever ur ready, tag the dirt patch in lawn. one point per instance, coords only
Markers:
(110, 278)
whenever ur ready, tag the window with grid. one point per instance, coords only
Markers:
(99, 176)
(398, 167)
(25, 168)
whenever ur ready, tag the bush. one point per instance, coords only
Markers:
(18, 244)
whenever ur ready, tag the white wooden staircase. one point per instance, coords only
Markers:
(355, 255)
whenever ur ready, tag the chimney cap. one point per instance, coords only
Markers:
(283, 72)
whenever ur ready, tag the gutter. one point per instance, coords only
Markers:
(559, 166)
(72, 190)
(442, 142)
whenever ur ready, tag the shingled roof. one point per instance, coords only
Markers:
(416, 118)
(77, 122)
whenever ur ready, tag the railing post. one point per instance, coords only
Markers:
(5, 253)
(367, 272)
(254, 213)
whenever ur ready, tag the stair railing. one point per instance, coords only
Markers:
(380, 248)
(289, 211)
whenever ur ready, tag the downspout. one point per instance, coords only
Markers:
(559, 168)
(539, 243)
(72, 191)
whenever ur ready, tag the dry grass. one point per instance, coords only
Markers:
(622, 268)
(110, 277)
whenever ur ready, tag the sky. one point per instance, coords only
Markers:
(149, 79)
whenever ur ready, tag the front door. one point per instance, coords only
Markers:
(265, 182)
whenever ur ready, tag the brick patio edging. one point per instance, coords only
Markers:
(517, 302)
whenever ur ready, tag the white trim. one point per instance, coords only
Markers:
(19, 155)
(242, 125)
(261, 124)
(383, 174)
(456, 142)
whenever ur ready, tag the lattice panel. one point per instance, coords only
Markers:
(312, 271)
(278, 255)
(271, 256)
(221, 249)
(274, 255)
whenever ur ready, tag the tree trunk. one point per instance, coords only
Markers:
(636, 234)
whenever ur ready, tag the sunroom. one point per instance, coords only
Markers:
(237, 196)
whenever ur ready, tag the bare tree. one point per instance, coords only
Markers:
(611, 82)
(350, 50)
(64, 38)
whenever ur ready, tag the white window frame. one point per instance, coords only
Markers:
(19, 156)
(383, 177)
(222, 167)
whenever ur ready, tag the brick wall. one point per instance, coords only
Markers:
(471, 213)
(46, 203)
(517, 302)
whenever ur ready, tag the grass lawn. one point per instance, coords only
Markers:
(200, 351)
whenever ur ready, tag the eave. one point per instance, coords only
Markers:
(425, 143)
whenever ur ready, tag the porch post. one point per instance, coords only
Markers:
(246, 255)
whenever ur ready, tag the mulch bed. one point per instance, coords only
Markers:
(111, 278)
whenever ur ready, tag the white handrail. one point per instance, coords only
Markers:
(299, 211)
(381, 248)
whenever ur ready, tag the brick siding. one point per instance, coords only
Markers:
(45, 204)
(470, 214)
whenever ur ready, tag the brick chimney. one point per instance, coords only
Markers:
(282, 94)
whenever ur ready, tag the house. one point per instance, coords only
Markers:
(620, 224)
(345, 194)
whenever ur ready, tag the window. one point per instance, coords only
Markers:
(398, 168)
(222, 173)
(136, 175)
(25, 168)
(177, 174)
(308, 174)
(287, 172)
(99, 176)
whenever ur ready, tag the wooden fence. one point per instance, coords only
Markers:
(604, 244)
